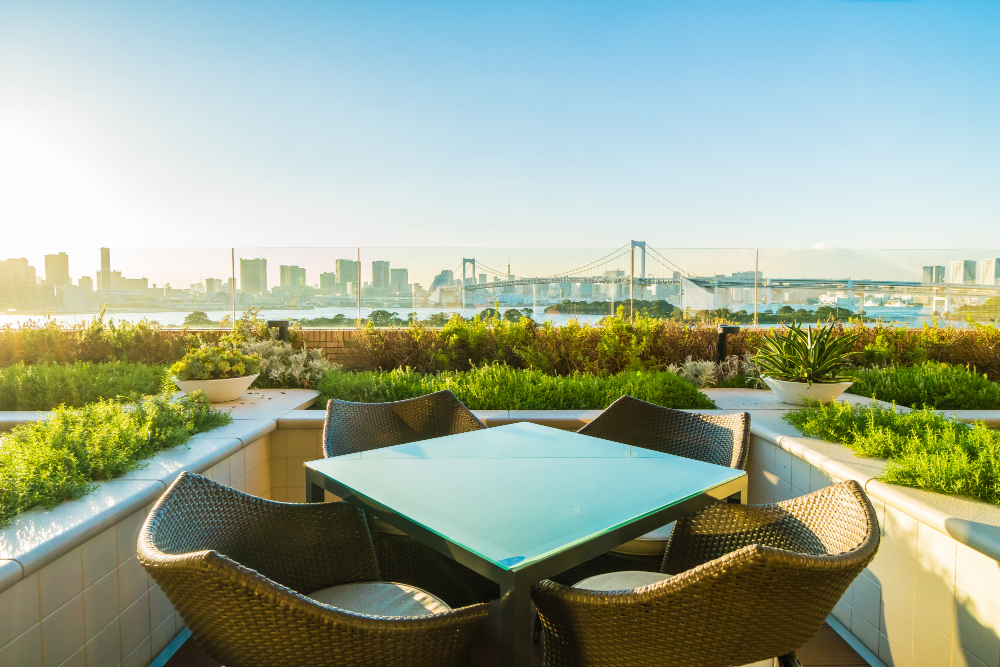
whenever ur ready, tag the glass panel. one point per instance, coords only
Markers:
(515, 506)
(328, 287)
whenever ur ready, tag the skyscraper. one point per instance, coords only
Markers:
(963, 271)
(933, 274)
(253, 276)
(399, 282)
(348, 272)
(57, 270)
(104, 280)
(328, 281)
(291, 278)
(989, 271)
(213, 285)
(381, 275)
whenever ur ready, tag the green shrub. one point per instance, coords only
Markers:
(95, 341)
(44, 386)
(614, 346)
(931, 384)
(43, 463)
(924, 449)
(215, 362)
(499, 387)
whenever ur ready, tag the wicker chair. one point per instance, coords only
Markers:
(720, 439)
(358, 427)
(236, 566)
(749, 583)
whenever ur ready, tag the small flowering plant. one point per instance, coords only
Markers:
(215, 363)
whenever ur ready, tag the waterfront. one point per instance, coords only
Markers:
(912, 317)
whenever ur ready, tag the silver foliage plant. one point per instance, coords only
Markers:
(288, 367)
(705, 373)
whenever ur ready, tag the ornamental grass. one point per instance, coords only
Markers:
(924, 449)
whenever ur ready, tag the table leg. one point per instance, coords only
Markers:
(515, 625)
(314, 492)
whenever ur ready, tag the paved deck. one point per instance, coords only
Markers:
(826, 649)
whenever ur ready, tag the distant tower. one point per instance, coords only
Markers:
(57, 270)
(105, 269)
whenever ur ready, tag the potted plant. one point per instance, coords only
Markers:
(806, 365)
(222, 372)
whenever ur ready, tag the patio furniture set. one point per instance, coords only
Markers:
(630, 536)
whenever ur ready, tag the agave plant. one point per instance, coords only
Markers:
(805, 356)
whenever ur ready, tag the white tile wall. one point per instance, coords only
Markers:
(96, 606)
(924, 600)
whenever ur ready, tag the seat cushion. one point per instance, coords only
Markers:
(653, 543)
(621, 581)
(383, 527)
(380, 598)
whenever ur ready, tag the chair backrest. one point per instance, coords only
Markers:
(762, 581)
(360, 427)
(235, 567)
(198, 516)
(720, 439)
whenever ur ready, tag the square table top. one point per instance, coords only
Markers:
(520, 493)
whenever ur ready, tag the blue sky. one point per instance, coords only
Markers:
(687, 124)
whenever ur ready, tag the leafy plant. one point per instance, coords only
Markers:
(45, 386)
(924, 449)
(284, 366)
(931, 384)
(700, 373)
(801, 356)
(214, 362)
(500, 387)
(45, 462)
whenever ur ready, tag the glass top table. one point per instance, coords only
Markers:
(522, 502)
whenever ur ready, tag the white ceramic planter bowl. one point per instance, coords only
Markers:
(796, 393)
(218, 391)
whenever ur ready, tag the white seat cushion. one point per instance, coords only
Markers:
(651, 544)
(621, 581)
(380, 598)
(383, 527)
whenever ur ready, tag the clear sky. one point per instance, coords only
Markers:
(701, 123)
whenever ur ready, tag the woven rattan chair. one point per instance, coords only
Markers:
(720, 439)
(358, 427)
(749, 583)
(246, 575)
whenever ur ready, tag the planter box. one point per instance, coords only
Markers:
(72, 591)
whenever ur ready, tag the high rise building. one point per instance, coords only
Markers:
(213, 285)
(348, 273)
(328, 281)
(104, 277)
(963, 271)
(617, 290)
(86, 284)
(253, 276)
(989, 271)
(291, 278)
(399, 282)
(381, 275)
(933, 274)
(57, 270)
(15, 276)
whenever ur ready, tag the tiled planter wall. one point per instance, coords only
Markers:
(95, 606)
(927, 599)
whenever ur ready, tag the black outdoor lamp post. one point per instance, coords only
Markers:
(724, 330)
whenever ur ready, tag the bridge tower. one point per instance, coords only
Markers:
(642, 274)
(468, 295)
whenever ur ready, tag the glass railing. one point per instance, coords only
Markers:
(334, 287)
